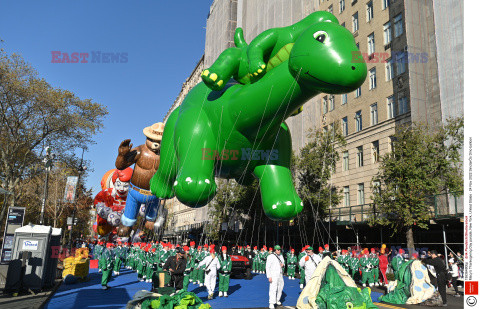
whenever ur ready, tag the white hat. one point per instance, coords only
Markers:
(451, 261)
(154, 131)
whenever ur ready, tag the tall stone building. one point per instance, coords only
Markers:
(414, 55)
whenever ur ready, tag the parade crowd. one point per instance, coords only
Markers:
(203, 265)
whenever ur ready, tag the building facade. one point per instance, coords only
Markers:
(414, 55)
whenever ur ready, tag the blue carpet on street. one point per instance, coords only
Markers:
(242, 293)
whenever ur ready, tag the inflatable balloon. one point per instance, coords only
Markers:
(239, 132)
(145, 157)
(106, 182)
(110, 203)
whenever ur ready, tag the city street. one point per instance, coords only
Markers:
(242, 294)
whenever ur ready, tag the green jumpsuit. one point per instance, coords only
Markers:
(354, 264)
(201, 271)
(374, 261)
(367, 270)
(291, 264)
(255, 261)
(108, 258)
(302, 270)
(224, 272)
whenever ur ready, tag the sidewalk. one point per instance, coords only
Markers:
(27, 301)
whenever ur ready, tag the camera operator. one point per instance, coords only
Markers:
(176, 265)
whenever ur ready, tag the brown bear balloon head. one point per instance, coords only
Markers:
(154, 136)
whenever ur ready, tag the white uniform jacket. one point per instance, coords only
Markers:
(273, 268)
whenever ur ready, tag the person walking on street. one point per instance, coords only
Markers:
(301, 269)
(274, 271)
(108, 258)
(225, 270)
(354, 264)
(397, 261)
(212, 264)
(441, 272)
(291, 264)
(383, 265)
(310, 263)
(454, 272)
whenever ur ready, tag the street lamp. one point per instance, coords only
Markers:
(81, 169)
(48, 161)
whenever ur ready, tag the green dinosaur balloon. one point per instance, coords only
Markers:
(248, 63)
(240, 132)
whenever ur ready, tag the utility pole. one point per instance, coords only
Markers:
(81, 169)
(48, 160)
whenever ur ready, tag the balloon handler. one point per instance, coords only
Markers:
(176, 265)
(146, 159)
(291, 264)
(367, 269)
(225, 271)
(189, 268)
(108, 259)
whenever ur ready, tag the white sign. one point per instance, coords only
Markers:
(30, 245)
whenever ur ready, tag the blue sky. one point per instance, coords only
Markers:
(163, 40)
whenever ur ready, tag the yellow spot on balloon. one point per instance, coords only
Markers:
(213, 77)
(255, 74)
(205, 72)
(263, 66)
(259, 71)
(220, 83)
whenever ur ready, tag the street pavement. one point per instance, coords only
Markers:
(242, 294)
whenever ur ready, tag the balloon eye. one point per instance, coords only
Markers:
(320, 36)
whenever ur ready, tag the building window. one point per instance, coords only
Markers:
(373, 114)
(325, 130)
(361, 194)
(355, 22)
(392, 143)
(371, 43)
(324, 104)
(358, 121)
(342, 5)
(345, 161)
(373, 78)
(397, 23)
(360, 156)
(375, 151)
(369, 11)
(331, 100)
(400, 63)
(358, 92)
(388, 70)
(376, 187)
(390, 107)
(344, 98)
(358, 45)
(346, 196)
(330, 9)
(385, 4)
(343, 24)
(387, 33)
(402, 105)
(345, 126)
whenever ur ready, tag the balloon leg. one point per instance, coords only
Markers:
(195, 183)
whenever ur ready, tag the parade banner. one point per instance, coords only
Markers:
(14, 221)
(70, 189)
